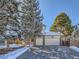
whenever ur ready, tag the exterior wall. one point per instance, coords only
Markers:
(74, 43)
(49, 40)
(39, 41)
(77, 43)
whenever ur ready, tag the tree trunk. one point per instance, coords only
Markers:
(43, 41)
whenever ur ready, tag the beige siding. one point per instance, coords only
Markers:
(39, 41)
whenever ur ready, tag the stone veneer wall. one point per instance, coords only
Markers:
(74, 43)
(77, 43)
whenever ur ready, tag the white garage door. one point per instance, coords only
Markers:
(49, 40)
(52, 40)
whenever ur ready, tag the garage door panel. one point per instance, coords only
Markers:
(52, 41)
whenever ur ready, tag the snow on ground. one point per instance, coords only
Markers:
(15, 54)
(15, 45)
(75, 48)
(2, 46)
(10, 46)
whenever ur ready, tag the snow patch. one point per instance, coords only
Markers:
(74, 48)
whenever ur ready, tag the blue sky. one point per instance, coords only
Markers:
(51, 8)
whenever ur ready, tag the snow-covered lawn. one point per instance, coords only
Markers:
(10, 46)
(74, 48)
(2, 46)
(15, 45)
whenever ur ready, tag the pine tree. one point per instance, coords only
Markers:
(20, 18)
(32, 18)
(8, 18)
(62, 24)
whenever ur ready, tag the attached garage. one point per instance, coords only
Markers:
(48, 40)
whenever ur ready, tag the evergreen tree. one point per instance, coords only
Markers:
(31, 18)
(8, 18)
(20, 18)
(62, 24)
